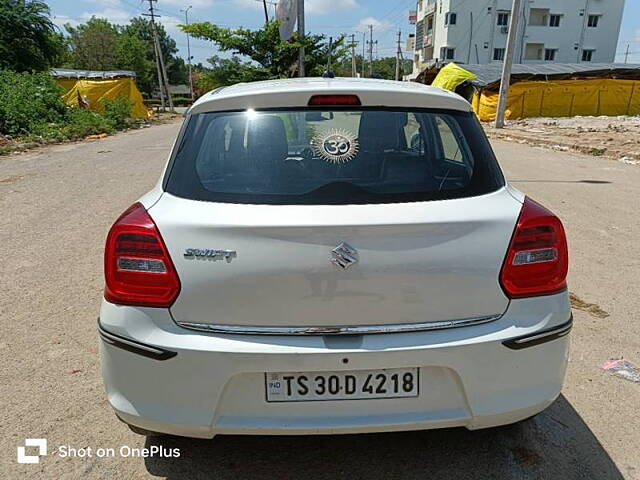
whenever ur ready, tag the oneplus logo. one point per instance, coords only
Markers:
(41, 443)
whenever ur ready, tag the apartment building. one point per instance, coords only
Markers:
(475, 31)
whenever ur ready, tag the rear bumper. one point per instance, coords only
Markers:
(203, 384)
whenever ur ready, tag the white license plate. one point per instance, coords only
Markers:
(342, 385)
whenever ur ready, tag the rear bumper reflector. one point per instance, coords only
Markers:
(134, 346)
(338, 330)
(540, 337)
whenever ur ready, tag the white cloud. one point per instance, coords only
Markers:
(312, 7)
(378, 25)
(323, 7)
(114, 15)
(61, 20)
(170, 24)
(186, 3)
(107, 3)
(119, 16)
(253, 4)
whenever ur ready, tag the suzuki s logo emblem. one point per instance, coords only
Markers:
(344, 256)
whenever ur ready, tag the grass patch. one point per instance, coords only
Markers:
(32, 112)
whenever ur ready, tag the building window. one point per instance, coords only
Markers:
(450, 18)
(550, 54)
(593, 21)
(534, 51)
(447, 53)
(503, 19)
(420, 35)
(498, 54)
(587, 55)
(554, 20)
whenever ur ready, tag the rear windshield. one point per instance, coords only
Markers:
(311, 156)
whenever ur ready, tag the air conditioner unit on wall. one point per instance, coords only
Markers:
(504, 30)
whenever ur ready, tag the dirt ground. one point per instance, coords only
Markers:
(57, 204)
(617, 138)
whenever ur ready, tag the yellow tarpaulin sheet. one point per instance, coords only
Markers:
(563, 98)
(451, 76)
(95, 92)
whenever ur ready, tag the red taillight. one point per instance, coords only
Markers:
(537, 260)
(321, 100)
(137, 266)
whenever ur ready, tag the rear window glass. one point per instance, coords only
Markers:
(312, 156)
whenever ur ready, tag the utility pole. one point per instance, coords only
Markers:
(301, 72)
(354, 68)
(371, 50)
(162, 71)
(266, 13)
(508, 63)
(186, 21)
(626, 54)
(398, 55)
(329, 54)
(364, 46)
(155, 54)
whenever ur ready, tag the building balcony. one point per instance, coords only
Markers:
(428, 40)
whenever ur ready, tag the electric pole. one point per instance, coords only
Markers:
(186, 21)
(162, 71)
(364, 54)
(266, 13)
(329, 55)
(301, 72)
(354, 72)
(398, 55)
(508, 63)
(626, 54)
(371, 42)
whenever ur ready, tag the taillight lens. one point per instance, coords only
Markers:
(537, 261)
(137, 266)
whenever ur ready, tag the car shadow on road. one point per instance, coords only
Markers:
(555, 444)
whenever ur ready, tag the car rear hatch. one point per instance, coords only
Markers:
(421, 262)
(323, 218)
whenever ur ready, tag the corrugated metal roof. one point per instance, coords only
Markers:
(71, 73)
(491, 73)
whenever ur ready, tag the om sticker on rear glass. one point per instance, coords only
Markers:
(335, 145)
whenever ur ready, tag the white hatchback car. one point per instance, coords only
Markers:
(332, 256)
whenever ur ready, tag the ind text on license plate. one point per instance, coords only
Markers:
(342, 385)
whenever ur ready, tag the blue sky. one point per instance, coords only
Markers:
(330, 17)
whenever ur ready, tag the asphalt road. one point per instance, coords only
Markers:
(57, 205)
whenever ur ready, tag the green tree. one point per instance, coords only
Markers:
(133, 54)
(227, 71)
(28, 39)
(382, 67)
(269, 56)
(94, 45)
(140, 28)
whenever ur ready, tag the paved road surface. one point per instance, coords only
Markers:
(57, 205)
